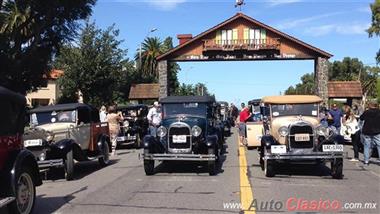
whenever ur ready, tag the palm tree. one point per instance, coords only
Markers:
(151, 48)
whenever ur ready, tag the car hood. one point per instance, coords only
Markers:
(288, 120)
(39, 132)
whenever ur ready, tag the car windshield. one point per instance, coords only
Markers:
(196, 109)
(295, 109)
(52, 117)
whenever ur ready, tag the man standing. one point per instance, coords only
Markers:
(245, 114)
(371, 130)
(154, 118)
(336, 115)
(234, 113)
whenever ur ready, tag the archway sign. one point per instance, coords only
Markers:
(244, 38)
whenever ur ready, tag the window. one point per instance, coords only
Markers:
(255, 36)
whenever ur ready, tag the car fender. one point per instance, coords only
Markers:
(66, 145)
(103, 138)
(25, 158)
(148, 142)
(211, 141)
(267, 141)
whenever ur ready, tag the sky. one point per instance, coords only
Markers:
(335, 26)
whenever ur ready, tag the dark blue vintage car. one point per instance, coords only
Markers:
(188, 132)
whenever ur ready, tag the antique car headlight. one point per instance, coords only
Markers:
(283, 131)
(162, 131)
(196, 131)
(49, 136)
(126, 124)
(322, 131)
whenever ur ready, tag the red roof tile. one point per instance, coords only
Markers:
(344, 89)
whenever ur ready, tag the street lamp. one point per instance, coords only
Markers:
(149, 32)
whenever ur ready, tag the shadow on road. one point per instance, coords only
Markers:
(51, 204)
(81, 170)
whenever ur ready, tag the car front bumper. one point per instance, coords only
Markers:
(308, 156)
(126, 138)
(50, 163)
(179, 157)
(5, 201)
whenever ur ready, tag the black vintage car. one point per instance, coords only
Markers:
(19, 173)
(135, 125)
(188, 132)
(62, 133)
(225, 117)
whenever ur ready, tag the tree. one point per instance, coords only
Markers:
(199, 89)
(307, 86)
(374, 29)
(96, 67)
(31, 33)
(349, 69)
(151, 49)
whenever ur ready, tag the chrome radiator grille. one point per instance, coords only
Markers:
(300, 129)
(179, 129)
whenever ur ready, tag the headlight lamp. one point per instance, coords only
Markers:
(161, 131)
(322, 131)
(49, 136)
(283, 131)
(196, 131)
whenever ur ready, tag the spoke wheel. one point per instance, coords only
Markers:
(25, 193)
(105, 159)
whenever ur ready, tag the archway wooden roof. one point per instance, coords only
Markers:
(286, 47)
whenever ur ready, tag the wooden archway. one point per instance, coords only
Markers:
(242, 38)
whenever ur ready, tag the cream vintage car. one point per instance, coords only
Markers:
(60, 134)
(292, 133)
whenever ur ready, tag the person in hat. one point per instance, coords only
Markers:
(154, 118)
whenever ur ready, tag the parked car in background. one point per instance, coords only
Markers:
(135, 125)
(255, 129)
(19, 174)
(188, 132)
(292, 133)
(225, 117)
(60, 134)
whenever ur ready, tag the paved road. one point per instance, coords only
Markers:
(187, 188)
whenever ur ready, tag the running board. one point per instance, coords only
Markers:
(5, 201)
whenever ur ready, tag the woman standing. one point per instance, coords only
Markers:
(352, 129)
(114, 119)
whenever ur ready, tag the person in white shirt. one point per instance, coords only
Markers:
(154, 118)
(103, 114)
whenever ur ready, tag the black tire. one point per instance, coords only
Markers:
(105, 159)
(26, 187)
(262, 159)
(269, 167)
(211, 165)
(337, 168)
(137, 142)
(149, 167)
(69, 166)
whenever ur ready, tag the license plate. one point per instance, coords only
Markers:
(302, 137)
(179, 138)
(35, 142)
(278, 149)
(333, 148)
